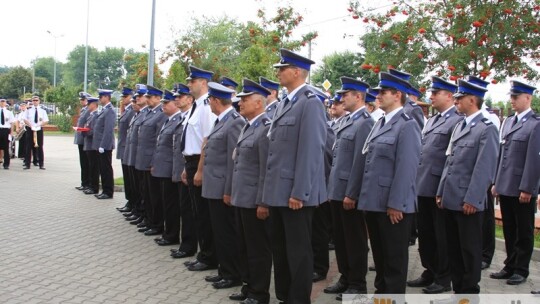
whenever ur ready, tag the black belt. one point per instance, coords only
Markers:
(194, 157)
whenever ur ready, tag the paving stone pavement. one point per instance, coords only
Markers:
(58, 245)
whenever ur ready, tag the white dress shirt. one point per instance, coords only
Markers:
(198, 127)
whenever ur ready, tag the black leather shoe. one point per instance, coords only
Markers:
(89, 191)
(164, 242)
(124, 209)
(132, 217)
(535, 292)
(238, 296)
(516, 279)
(103, 196)
(26, 167)
(128, 214)
(420, 282)
(501, 275)
(152, 231)
(181, 254)
(142, 224)
(484, 265)
(190, 263)
(224, 283)
(143, 229)
(202, 267)
(372, 268)
(350, 291)
(318, 277)
(136, 221)
(339, 287)
(436, 288)
(250, 301)
(42, 168)
(80, 188)
(213, 278)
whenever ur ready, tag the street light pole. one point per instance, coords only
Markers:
(150, 74)
(54, 58)
(86, 48)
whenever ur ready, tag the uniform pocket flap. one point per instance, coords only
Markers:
(442, 131)
(464, 182)
(285, 173)
(385, 181)
(520, 137)
(390, 140)
(344, 175)
(287, 121)
(465, 143)
(348, 136)
(247, 143)
(437, 171)
(518, 171)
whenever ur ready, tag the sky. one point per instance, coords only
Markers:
(126, 23)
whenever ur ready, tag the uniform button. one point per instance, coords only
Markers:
(365, 171)
(270, 154)
(268, 168)
(367, 161)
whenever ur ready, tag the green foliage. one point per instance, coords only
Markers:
(64, 97)
(44, 68)
(535, 104)
(62, 121)
(453, 38)
(342, 64)
(176, 74)
(15, 82)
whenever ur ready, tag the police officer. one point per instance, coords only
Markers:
(103, 142)
(272, 99)
(162, 167)
(431, 228)
(344, 186)
(188, 246)
(517, 181)
(149, 128)
(123, 125)
(197, 128)
(410, 108)
(138, 213)
(79, 141)
(6, 124)
(253, 225)
(388, 193)
(468, 171)
(91, 153)
(373, 105)
(295, 181)
(337, 112)
(488, 226)
(231, 84)
(35, 119)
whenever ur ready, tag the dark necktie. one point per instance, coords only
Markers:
(286, 101)
(2, 119)
(183, 140)
(216, 122)
(383, 121)
(436, 118)
(36, 115)
(463, 124)
(514, 121)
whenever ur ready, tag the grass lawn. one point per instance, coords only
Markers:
(119, 181)
(499, 234)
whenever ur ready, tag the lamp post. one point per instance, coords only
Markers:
(150, 74)
(54, 58)
(86, 47)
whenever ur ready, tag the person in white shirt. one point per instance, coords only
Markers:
(373, 106)
(19, 127)
(6, 124)
(35, 119)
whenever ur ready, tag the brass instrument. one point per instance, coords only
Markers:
(35, 139)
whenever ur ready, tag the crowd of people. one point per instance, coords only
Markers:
(26, 127)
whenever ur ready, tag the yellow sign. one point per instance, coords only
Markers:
(326, 84)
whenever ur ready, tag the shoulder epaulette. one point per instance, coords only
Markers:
(487, 121)
(536, 116)
(235, 115)
(309, 94)
(266, 121)
(366, 114)
(405, 116)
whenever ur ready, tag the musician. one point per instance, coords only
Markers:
(36, 118)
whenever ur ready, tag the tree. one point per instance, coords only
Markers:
(453, 38)
(15, 82)
(74, 67)
(44, 67)
(342, 64)
(136, 66)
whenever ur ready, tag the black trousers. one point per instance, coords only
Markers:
(188, 231)
(128, 188)
(225, 238)
(464, 236)
(518, 229)
(351, 245)
(170, 209)
(85, 170)
(488, 230)
(154, 207)
(21, 153)
(390, 245)
(199, 204)
(320, 238)
(139, 191)
(432, 244)
(255, 253)
(106, 172)
(38, 154)
(292, 254)
(4, 145)
(93, 169)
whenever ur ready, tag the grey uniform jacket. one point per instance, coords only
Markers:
(162, 159)
(435, 139)
(89, 136)
(178, 162)
(249, 170)
(81, 122)
(414, 111)
(330, 140)
(271, 110)
(218, 152)
(132, 138)
(123, 125)
(348, 161)
(104, 129)
(148, 132)
(470, 166)
(295, 166)
(392, 155)
(519, 160)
